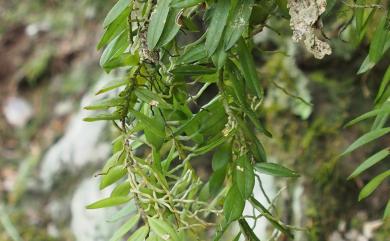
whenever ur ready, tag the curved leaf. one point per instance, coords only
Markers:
(275, 169)
(372, 160)
(373, 184)
(366, 138)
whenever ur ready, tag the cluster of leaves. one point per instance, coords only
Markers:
(165, 51)
(379, 45)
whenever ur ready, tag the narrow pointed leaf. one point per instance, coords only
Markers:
(157, 23)
(125, 228)
(234, 205)
(238, 22)
(373, 185)
(163, 229)
(109, 202)
(372, 160)
(140, 234)
(275, 169)
(366, 138)
(217, 25)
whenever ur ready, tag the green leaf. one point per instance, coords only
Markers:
(171, 28)
(378, 42)
(383, 87)
(193, 70)
(113, 175)
(387, 211)
(212, 143)
(368, 64)
(370, 114)
(373, 184)
(244, 176)
(150, 97)
(234, 205)
(157, 23)
(115, 48)
(106, 103)
(100, 117)
(114, 28)
(140, 234)
(113, 14)
(125, 228)
(112, 85)
(267, 214)
(109, 202)
(372, 160)
(126, 210)
(238, 22)
(366, 138)
(163, 229)
(275, 169)
(152, 124)
(122, 189)
(192, 54)
(247, 231)
(217, 25)
(249, 68)
(185, 3)
(222, 156)
(216, 181)
(123, 60)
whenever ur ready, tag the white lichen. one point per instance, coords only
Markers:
(305, 15)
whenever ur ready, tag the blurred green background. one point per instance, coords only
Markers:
(48, 157)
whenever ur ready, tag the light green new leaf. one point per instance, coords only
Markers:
(366, 138)
(234, 205)
(125, 228)
(113, 14)
(113, 175)
(122, 189)
(373, 184)
(111, 85)
(217, 25)
(368, 64)
(140, 234)
(109, 202)
(372, 160)
(101, 117)
(157, 23)
(106, 103)
(249, 68)
(244, 176)
(275, 169)
(238, 22)
(126, 210)
(163, 229)
(185, 3)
